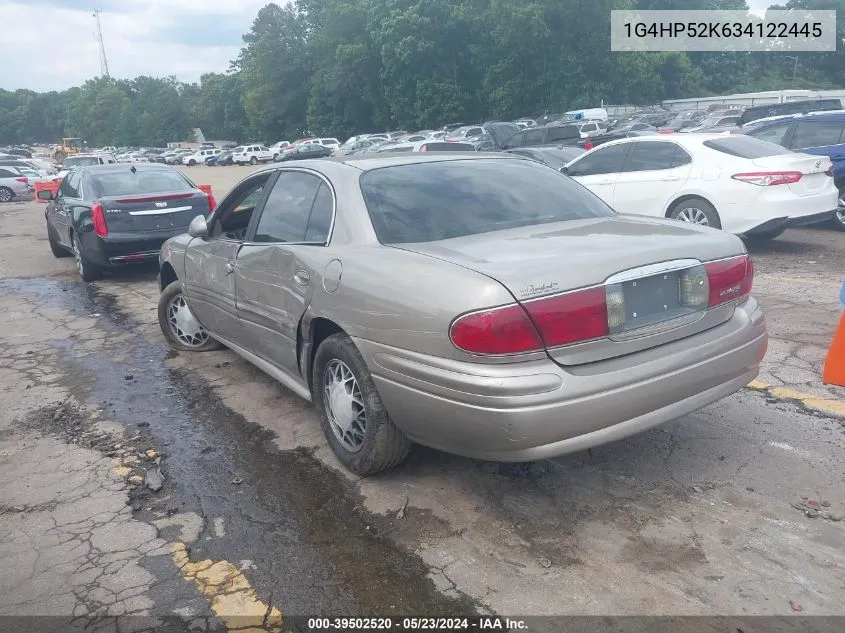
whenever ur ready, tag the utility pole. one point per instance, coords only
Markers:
(794, 68)
(104, 62)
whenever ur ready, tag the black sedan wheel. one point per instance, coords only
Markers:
(87, 270)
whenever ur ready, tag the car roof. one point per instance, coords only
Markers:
(369, 162)
(684, 140)
(823, 115)
(115, 167)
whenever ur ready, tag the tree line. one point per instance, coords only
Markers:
(338, 67)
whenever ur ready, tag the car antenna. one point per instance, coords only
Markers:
(132, 169)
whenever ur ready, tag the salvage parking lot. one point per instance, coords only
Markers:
(737, 509)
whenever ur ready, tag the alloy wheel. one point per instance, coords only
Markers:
(344, 405)
(184, 325)
(693, 215)
(5, 194)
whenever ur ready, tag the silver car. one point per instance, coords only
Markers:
(13, 184)
(484, 305)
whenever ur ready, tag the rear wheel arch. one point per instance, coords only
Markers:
(319, 329)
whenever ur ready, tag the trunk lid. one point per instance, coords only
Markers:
(814, 179)
(539, 261)
(166, 211)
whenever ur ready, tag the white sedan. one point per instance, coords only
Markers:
(733, 182)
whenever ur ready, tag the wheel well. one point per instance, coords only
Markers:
(684, 198)
(167, 275)
(321, 329)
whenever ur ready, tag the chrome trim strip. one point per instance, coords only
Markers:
(651, 270)
(159, 211)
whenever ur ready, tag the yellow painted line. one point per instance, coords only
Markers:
(229, 593)
(824, 405)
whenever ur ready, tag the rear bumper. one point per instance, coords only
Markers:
(537, 410)
(784, 223)
(120, 249)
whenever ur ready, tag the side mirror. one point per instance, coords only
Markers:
(198, 227)
(45, 194)
(564, 170)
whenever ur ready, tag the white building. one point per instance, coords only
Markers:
(752, 98)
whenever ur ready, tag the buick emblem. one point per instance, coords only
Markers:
(164, 204)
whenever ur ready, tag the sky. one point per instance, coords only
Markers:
(51, 45)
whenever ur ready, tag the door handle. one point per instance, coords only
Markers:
(230, 268)
(302, 277)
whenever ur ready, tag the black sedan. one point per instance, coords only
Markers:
(555, 157)
(311, 150)
(112, 215)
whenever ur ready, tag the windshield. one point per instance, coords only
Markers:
(80, 161)
(426, 202)
(119, 183)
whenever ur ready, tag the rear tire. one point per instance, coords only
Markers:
(838, 219)
(253, 161)
(343, 390)
(6, 194)
(696, 211)
(87, 270)
(169, 303)
(57, 249)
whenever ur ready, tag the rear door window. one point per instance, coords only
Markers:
(605, 160)
(417, 202)
(816, 134)
(745, 146)
(655, 155)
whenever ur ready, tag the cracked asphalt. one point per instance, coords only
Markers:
(256, 524)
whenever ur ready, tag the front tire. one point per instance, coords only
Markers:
(57, 249)
(180, 327)
(696, 211)
(87, 269)
(352, 414)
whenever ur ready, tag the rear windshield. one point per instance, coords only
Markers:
(448, 147)
(119, 183)
(425, 202)
(745, 146)
(80, 161)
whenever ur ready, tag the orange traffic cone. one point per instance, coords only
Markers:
(834, 364)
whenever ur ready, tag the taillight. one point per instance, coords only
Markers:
(98, 218)
(570, 317)
(505, 330)
(424, 148)
(769, 178)
(588, 145)
(212, 203)
(23, 180)
(729, 279)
